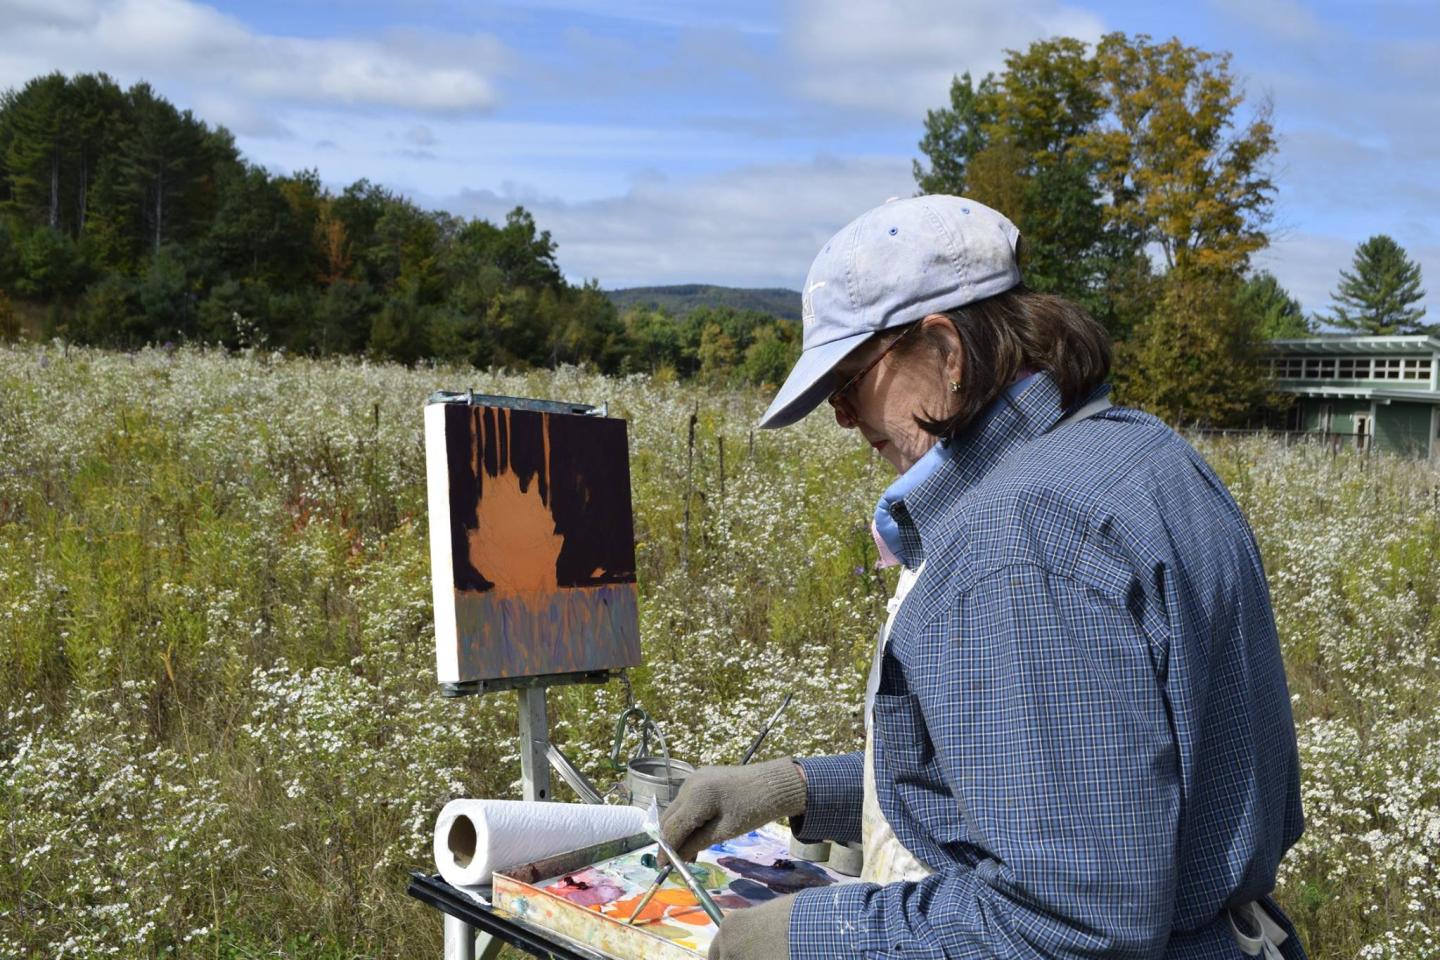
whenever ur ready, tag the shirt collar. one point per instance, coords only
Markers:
(923, 494)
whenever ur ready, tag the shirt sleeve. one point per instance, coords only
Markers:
(1040, 699)
(834, 796)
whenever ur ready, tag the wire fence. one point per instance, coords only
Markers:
(1334, 442)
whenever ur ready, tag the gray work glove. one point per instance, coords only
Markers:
(761, 932)
(717, 803)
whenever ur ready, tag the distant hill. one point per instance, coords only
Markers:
(683, 298)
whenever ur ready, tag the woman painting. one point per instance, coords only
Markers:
(1079, 740)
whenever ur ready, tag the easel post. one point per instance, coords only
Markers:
(534, 743)
(460, 940)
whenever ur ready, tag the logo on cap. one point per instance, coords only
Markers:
(807, 305)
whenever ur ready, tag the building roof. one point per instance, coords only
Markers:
(1383, 394)
(1336, 344)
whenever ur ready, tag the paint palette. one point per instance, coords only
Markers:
(532, 541)
(588, 900)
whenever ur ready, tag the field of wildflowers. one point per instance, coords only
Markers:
(222, 734)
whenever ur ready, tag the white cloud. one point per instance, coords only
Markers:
(753, 226)
(580, 162)
(899, 56)
(240, 115)
(185, 43)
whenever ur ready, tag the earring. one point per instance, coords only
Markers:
(954, 386)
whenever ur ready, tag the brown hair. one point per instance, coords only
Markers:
(1010, 332)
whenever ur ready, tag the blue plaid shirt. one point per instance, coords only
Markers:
(1082, 723)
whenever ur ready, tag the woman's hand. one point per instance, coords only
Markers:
(761, 932)
(717, 803)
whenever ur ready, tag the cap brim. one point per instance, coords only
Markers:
(810, 382)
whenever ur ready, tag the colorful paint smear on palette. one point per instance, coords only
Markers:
(739, 873)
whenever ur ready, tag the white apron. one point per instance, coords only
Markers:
(886, 859)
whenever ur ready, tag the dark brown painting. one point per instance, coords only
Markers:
(532, 542)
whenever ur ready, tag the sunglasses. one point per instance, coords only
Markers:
(842, 395)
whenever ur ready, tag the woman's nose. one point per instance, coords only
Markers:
(843, 415)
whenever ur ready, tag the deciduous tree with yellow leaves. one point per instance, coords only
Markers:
(1141, 192)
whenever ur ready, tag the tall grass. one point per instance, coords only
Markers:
(223, 737)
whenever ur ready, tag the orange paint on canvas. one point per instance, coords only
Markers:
(514, 544)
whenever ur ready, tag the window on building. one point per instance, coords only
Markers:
(1417, 368)
(1286, 368)
(1353, 368)
(1315, 368)
(1388, 368)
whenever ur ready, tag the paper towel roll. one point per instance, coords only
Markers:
(474, 838)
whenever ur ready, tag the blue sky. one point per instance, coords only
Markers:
(669, 142)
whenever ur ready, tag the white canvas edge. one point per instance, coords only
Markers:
(442, 573)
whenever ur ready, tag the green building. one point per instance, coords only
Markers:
(1380, 393)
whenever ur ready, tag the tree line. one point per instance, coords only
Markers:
(126, 221)
(1137, 176)
(1141, 190)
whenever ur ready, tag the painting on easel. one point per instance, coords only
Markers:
(590, 903)
(532, 542)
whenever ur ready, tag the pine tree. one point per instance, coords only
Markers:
(1272, 312)
(162, 160)
(40, 131)
(1378, 295)
(953, 135)
(96, 107)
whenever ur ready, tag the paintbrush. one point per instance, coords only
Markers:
(695, 886)
(765, 730)
(749, 755)
(660, 879)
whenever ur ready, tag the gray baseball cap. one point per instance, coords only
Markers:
(890, 266)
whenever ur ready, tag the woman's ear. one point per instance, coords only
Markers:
(939, 330)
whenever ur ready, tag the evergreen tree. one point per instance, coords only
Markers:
(50, 265)
(39, 134)
(954, 135)
(253, 234)
(163, 159)
(1379, 293)
(1274, 314)
(342, 318)
(96, 112)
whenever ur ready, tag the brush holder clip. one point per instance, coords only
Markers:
(634, 717)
